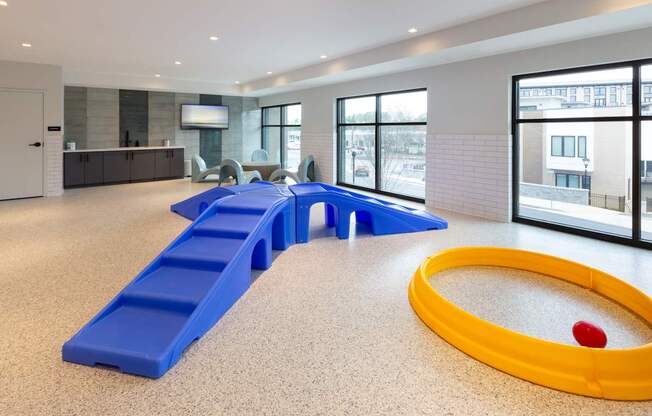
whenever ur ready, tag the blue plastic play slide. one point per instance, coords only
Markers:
(184, 291)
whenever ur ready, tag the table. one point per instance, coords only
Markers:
(265, 168)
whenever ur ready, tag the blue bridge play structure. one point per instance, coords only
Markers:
(184, 291)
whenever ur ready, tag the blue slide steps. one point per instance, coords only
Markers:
(184, 291)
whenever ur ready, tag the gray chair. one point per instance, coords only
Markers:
(259, 155)
(232, 169)
(304, 173)
(200, 172)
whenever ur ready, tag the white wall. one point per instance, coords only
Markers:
(49, 80)
(468, 103)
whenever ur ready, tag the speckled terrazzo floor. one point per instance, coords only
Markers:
(327, 330)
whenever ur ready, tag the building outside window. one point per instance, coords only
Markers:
(573, 95)
(281, 134)
(580, 174)
(382, 142)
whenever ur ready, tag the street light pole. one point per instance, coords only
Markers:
(586, 184)
(353, 155)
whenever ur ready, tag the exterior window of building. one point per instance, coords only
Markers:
(575, 166)
(281, 134)
(564, 180)
(613, 96)
(563, 146)
(581, 146)
(382, 142)
(573, 95)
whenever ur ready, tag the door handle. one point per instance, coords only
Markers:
(36, 144)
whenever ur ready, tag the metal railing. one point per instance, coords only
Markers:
(612, 202)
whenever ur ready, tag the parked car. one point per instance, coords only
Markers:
(362, 172)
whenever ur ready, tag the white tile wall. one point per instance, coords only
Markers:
(53, 165)
(469, 174)
(323, 147)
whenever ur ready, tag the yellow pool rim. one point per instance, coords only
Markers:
(616, 374)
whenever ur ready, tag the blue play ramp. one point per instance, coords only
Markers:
(189, 286)
(383, 217)
(184, 291)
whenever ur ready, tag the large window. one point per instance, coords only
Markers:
(281, 134)
(382, 142)
(581, 165)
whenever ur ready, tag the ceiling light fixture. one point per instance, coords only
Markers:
(26, 45)
(213, 38)
(157, 75)
(323, 57)
(237, 82)
(177, 62)
(269, 72)
(4, 3)
(413, 30)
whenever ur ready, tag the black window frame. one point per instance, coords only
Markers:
(282, 126)
(377, 124)
(636, 119)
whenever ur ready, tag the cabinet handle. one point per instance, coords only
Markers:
(127, 155)
(81, 157)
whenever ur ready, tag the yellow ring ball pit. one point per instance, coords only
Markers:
(617, 374)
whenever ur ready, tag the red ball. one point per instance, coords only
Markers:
(589, 335)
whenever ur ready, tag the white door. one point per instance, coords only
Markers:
(21, 144)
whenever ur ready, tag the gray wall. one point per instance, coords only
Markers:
(161, 117)
(97, 118)
(554, 193)
(103, 118)
(134, 117)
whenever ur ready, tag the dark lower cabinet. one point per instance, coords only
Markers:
(163, 164)
(169, 163)
(94, 168)
(143, 165)
(116, 167)
(83, 169)
(177, 168)
(73, 169)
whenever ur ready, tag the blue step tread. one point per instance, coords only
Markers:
(204, 250)
(228, 225)
(175, 285)
(183, 292)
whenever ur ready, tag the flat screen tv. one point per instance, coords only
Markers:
(204, 116)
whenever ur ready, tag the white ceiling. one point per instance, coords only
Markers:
(138, 38)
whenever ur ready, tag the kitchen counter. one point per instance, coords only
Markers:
(122, 149)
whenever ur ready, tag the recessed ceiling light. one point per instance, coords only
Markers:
(237, 82)
(213, 38)
(4, 3)
(177, 62)
(26, 45)
(269, 72)
(413, 30)
(323, 57)
(157, 75)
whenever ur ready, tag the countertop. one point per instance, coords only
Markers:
(119, 149)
